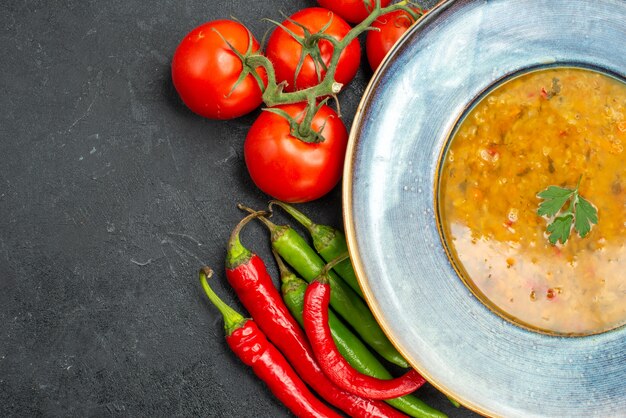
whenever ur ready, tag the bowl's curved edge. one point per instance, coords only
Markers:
(348, 219)
(353, 169)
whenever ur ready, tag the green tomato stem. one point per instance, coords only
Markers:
(273, 94)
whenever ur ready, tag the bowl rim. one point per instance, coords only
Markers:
(347, 189)
(348, 193)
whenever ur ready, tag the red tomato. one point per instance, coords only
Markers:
(289, 169)
(354, 11)
(284, 51)
(205, 69)
(391, 27)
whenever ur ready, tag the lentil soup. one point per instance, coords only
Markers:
(548, 127)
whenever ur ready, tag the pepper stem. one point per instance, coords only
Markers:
(332, 263)
(295, 213)
(324, 276)
(269, 224)
(276, 231)
(282, 268)
(232, 318)
(289, 282)
(236, 253)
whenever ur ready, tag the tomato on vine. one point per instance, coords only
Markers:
(353, 11)
(289, 168)
(297, 48)
(390, 27)
(208, 72)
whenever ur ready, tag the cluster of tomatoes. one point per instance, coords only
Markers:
(220, 72)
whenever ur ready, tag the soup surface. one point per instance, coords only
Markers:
(552, 127)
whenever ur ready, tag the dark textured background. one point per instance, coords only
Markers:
(112, 195)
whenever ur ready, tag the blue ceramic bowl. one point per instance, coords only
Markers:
(458, 51)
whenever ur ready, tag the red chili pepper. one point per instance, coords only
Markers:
(252, 347)
(256, 290)
(338, 370)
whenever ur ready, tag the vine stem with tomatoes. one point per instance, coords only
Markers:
(273, 91)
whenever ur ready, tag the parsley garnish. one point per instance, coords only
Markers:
(580, 213)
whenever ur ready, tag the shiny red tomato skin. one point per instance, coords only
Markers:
(353, 11)
(289, 169)
(205, 69)
(391, 27)
(284, 51)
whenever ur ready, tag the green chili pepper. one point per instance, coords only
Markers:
(349, 345)
(329, 242)
(298, 254)
(454, 402)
